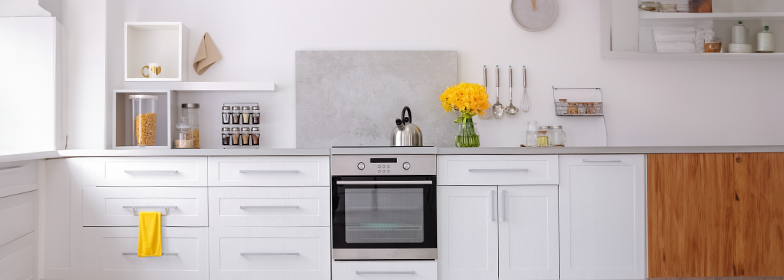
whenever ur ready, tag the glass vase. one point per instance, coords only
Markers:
(466, 134)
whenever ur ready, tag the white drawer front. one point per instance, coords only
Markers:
(18, 177)
(278, 206)
(18, 216)
(498, 170)
(269, 171)
(363, 270)
(17, 259)
(110, 253)
(154, 172)
(270, 253)
(104, 206)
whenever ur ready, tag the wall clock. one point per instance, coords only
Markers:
(534, 15)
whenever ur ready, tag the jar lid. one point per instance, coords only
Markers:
(225, 129)
(255, 108)
(589, 103)
(245, 129)
(544, 128)
(598, 102)
(235, 129)
(572, 103)
(235, 108)
(580, 103)
(562, 100)
(254, 129)
(557, 127)
(142, 96)
(245, 108)
(190, 105)
(225, 108)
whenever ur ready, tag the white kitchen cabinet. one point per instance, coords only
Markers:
(18, 177)
(17, 259)
(115, 206)
(299, 171)
(484, 170)
(152, 172)
(269, 206)
(384, 270)
(467, 232)
(528, 232)
(602, 217)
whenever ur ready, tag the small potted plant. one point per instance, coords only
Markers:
(470, 100)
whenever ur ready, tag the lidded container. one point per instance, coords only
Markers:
(235, 115)
(184, 138)
(254, 136)
(226, 114)
(245, 136)
(766, 41)
(557, 136)
(143, 110)
(190, 111)
(255, 117)
(235, 136)
(245, 115)
(542, 139)
(225, 136)
(599, 108)
(530, 134)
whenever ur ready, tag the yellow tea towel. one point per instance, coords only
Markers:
(149, 234)
(206, 55)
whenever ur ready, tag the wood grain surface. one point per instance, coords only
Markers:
(715, 215)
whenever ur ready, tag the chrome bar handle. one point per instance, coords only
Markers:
(359, 272)
(136, 213)
(267, 171)
(150, 172)
(611, 160)
(384, 182)
(268, 254)
(162, 254)
(492, 205)
(503, 205)
(499, 170)
(271, 207)
(10, 168)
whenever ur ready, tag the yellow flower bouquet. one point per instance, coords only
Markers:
(470, 100)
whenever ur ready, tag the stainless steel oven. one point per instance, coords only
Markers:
(384, 207)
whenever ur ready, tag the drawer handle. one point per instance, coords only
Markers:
(385, 272)
(10, 168)
(499, 170)
(611, 160)
(151, 172)
(384, 182)
(267, 171)
(136, 213)
(162, 254)
(271, 207)
(268, 254)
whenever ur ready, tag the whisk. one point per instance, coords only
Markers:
(525, 104)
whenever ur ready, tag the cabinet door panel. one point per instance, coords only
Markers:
(602, 210)
(467, 233)
(528, 232)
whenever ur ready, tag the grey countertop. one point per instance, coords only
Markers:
(611, 150)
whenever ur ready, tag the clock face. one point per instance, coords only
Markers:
(534, 20)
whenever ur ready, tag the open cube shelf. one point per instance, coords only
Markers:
(155, 42)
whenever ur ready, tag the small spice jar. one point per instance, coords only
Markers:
(590, 109)
(184, 135)
(235, 136)
(572, 110)
(599, 108)
(542, 139)
(563, 107)
(581, 108)
(245, 115)
(254, 136)
(245, 136)
(235, 115)
(255, 117)
(226, 136)
(226, 114)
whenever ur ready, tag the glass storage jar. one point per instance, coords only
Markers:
(145, 119)
(225, 136)
(226, 114)
(590, 109)
(254, 136)
(255, 117)
(563, 107)
(184, 138)
(557, 136)
(245, 115)
(542, 140)
(235, 136)
(245, 136)
(581, 108)
(235, 114)
(572, 108)
(530, 134)
(599, 108)
(190, 111)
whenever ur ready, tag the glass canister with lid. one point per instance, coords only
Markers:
(143, 110)
(225, 136)
(226, 114)
(190, 111)
(255, 117)
(245, 136)
(556, 136)
(236, 114)
(245, 114)
(254, 136)
(542, 139)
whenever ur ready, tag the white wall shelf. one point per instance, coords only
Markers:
(206, 86)
(155, 42)
(645, 15)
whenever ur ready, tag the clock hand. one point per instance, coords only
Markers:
(533, 3)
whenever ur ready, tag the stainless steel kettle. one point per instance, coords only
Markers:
(406, 133)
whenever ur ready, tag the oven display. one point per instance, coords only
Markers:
(383, 160)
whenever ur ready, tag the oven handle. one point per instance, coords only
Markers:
(384, 182)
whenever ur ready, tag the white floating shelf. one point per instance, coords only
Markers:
(697, 56)
(645, 15)
(205, 86)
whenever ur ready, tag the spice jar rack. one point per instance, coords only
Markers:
(243, 126)
(578, 102)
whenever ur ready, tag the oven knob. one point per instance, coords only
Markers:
(406, 165)
(361, 166)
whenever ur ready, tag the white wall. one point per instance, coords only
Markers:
(648, 102)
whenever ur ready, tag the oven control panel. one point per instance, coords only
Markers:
(372, 165)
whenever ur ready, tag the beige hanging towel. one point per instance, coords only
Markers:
(207, 55)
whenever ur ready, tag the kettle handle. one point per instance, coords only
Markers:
(410, 119)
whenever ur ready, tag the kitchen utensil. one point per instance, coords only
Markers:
(405, 132)
(498, 108)
(511, 110)
(526, 102)
(534, 16)
(487, 115)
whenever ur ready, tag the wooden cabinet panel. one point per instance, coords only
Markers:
(713, 215)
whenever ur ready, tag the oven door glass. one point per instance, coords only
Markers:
(384, 215)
